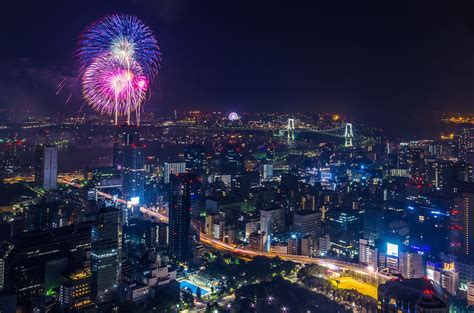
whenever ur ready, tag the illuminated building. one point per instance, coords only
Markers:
(465, 267)
(449, 279)
(309, 246)
(466, 142)
(257, 241)
(439, 173)
(75, 291)
(133, 169)
(429, 226)
(180, 216)
(173, 168)
(124, 136)
(411, 295)
(463, 221)
(307, 223)
(46, 167)
(272, 220)
(231, 161)
(324, 245)
(241, 185)
(294, 247)
(416, 165)
(267, 172)
(106, 256)
(368, 254)
(343, 229)
(410, 265)
(27, 264)
(375, 219)
(470, 293)
(195, 159)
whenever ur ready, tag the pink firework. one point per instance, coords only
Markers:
(113, 88)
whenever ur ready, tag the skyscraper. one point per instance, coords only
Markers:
(180, 216)
(124, 136)
(106, 255)
(46, 167)
(173, 168)
(466, 142)
(463, 219)
(133, 172)
(195, 157)
(411, 265)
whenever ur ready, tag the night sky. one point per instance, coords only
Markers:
(374, 60)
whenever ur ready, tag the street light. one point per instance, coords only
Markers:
(284, 309)
(270, 299)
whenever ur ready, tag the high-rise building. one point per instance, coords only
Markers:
(257, 241)
(449, 279)
(374, 222)
(309, 246)
(27, 269)
(465, 267)
(272, 220)
(195, 159)
(180, 216)
(410, 265)
(307, 222)
(344, 230)
(267, 172)
(124, 136)
(470, 293)
(294, 245)
(232, 162)
(75, 292)
(462, 229)
(46, 167)
(439, 173)
(106, 255)
(133, 185)
(466, 142)
(173, 168)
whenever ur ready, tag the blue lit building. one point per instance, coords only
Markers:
(106, 256)
(344, 227)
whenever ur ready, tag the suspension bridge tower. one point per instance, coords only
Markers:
(290, 128)
(348, 135)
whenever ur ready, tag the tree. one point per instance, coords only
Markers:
(187, 296)
(198, 293)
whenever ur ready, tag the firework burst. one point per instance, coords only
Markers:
(118, 57)
(125, 37)
(111, 88)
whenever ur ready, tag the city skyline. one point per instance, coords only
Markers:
(174, 156)
(354, 59)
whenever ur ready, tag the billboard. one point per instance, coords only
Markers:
(392, 249)
(134, 201)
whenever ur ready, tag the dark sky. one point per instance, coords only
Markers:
(379, 61)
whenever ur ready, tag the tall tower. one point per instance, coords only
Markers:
(291, 128)
(133, 183)
(466, 142)
(180, 215)
(46, 167)
(106, 255)
(124, 136)
(463, 218)
(176, 168)
(348, 135)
